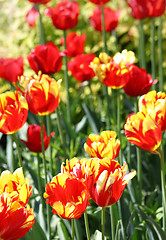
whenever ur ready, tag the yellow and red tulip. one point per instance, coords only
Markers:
(108, 180)
(67, 195)
(113, 72)
(156, 102)
(16, 218)
(42, 93)
(103, 145)
(13, 112)
(142, 129)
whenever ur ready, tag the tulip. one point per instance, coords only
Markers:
(141, 9)
(32, 16)
(153, 101)
(142, 129)
(111, 19)
(109, 180)
(64, 15)
(99, 2)
(33, 142)
(41, 93)
(13, 112)
(45, 58)
(74, 44)
(103, 145)
(139, 82)
(16, 219)
(39, 1)
(113, 72)
(67, 195)
(11, 69)
(79, 67)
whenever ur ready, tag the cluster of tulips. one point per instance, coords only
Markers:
(100, 177)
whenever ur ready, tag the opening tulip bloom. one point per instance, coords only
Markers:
(111, 19)
(11, 69)
(142, 129)
(79, 67)
(67, 195)
(16, 219)
(103, 145)
(113, 72)
(64, 15)
(33, 142)
(139, 82)
(32, 16)
(153, 101)
(45, 58)
(74, 44)
(13, 112)
(141, 9)
(109, 180)
(42, 93)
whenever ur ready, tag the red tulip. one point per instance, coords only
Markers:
(99, 2)
(111, 19)
(64, 15)
(33, 142)
(139, 82)
(74, 44)
(147, 8)
(32, 16)
(45, 58)
(39, 1)
(11, 69)
(79, 67)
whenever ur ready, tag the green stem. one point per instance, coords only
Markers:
(39, 181)
(67, 82)
(87, 225)
(103, 222)
(72, 225)
(103, 28)
(160, 47)
(112, 222)
(45, 173)
(163, 184)
(118, 123)
(61, 132)
(18, 150)
(41, 28)
(139, 164)
(153, 51)
(48, 121)
(141, 45)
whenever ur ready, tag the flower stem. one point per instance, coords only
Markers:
(112, 222)
(45, 173)
(163, 184)
(18, 150)
(67, 82)
(72, 225)
(87, 225)
(41, 28)
(105, 88)
(48, 121)
(103, 222)
(141, 45)
(153, 51)
(118, 123)
(61, 132)
(139, 164)
(160, 47)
